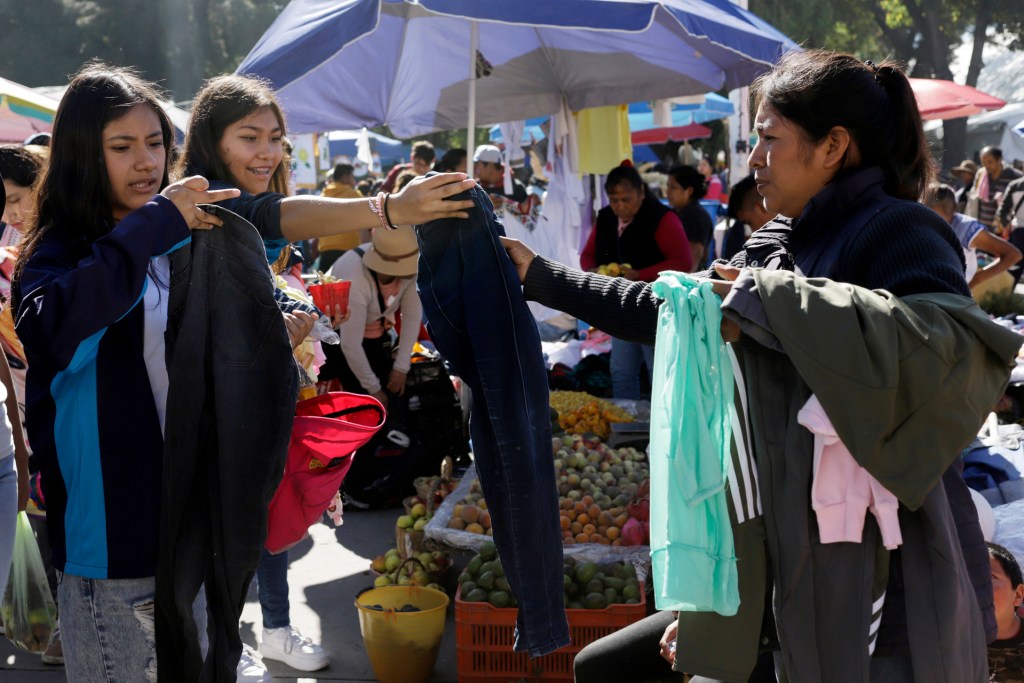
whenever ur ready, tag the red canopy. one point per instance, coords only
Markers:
(938, 99)
(654, 136)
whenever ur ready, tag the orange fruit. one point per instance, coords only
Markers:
(587, 500)
(565, 522)
(582, 538)
(580, 507)
(617, 542)
(576, 528)
(583, 519)
(605, 519)
(456, 523)
(594, 511)
(612, 533)
(485, 519)
(474, 528)
(470, 514)
(598, 538)
(621, 520)
(589, 529)
(568, 540)
(602, 529)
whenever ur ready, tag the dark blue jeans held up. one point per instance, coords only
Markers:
(478, 318)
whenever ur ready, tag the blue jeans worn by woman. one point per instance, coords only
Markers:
(107, 629)
(272, 588)
(625, 363)
(478, 319)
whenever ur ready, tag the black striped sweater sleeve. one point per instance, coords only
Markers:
(622, 308)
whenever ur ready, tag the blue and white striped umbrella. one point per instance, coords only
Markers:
(406, 63)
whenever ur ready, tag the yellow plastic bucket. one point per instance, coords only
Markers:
(402, 645)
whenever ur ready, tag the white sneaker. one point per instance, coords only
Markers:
(251, 668)
(287, 645)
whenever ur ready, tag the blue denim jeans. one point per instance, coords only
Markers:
(107, 629)
(624, 365)
(8, 514)
(272, 588)
(478, 319)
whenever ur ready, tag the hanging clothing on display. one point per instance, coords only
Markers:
(603, 138)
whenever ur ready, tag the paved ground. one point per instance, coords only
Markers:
(327, 571)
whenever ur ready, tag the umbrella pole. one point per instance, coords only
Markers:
(471, 126)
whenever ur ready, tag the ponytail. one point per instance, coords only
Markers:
(907, 166)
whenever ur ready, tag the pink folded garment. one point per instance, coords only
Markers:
(842, 491)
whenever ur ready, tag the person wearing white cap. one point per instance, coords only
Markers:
(383, 275)
(489, 171)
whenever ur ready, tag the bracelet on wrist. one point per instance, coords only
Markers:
(387, 216)
(377, 208)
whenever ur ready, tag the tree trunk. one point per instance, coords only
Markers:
(954, 142)
(954, 131)
(981, 23)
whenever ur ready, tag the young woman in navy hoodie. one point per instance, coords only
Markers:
(87, 294)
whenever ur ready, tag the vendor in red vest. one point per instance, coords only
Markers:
(637, 231)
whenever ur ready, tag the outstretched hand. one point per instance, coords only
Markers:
(522, 256)
(425, 199)
(187, 194)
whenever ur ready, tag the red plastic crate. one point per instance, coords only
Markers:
(484, 637)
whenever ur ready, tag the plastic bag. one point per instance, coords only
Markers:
(29, 613)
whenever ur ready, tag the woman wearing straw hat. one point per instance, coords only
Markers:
(382, 273)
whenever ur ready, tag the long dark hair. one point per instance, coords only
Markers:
(74, 190)
(22, 164)
(451, 160)
(688, 176)
(818, 90)
(221, 102)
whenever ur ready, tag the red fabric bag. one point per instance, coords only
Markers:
(327, 431)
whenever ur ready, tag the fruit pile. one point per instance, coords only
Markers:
(440, 488)
(471, 514)
(416, 519)
(586, 584)
(599, 490)
(425, 569)
(602, 494)
(592, 586)
(581, 413)
(614, 269)
(483, 579)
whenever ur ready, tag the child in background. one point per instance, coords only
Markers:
(1006, 653)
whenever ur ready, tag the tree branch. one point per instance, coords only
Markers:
(902, 42)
